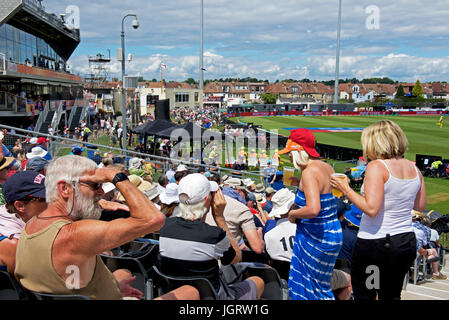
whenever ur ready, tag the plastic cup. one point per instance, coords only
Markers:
(288, 173)
(337, 193)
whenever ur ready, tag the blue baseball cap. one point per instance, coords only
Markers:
(23, 184)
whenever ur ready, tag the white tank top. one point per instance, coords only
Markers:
(395, 215)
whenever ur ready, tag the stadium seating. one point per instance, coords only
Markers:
(163, 283)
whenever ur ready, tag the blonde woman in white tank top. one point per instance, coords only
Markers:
(392, 188)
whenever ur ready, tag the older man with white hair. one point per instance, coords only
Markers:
(59, 249)
(191, 247)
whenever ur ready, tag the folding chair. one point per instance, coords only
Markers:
(282, 267)
(273, 289)
(134, 266)
(163, 283)
(10, 288)
(418, 264)
(46, 296)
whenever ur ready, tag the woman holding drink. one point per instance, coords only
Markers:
(318, 236)
(393, 186)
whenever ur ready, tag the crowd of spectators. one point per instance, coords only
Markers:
(206, 223)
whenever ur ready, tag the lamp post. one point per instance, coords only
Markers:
(135, 26)
(201, 46)
(337, 62)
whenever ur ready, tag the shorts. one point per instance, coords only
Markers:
(339, 280)
(243, 290)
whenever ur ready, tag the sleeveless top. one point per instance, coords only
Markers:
(395, 215)
(35, 271)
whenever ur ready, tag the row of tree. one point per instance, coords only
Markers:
(384, 80)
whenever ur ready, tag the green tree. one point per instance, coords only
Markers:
(269, 98)
(418, 90)
(400, 93)
(191, 81)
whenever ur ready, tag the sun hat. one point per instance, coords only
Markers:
(248, 182)
(301, 139)
(170, 194)
(5, 162)
(141, 184)
(36, 152)
(134, 163)
(23, 184)
(181, 168)
(269, 190)
(259, 188)
(236, 183)
(282, 202)
(354, 216)
(260, 198)
(152, 192)
(196, 187)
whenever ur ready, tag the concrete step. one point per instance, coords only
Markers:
(429, 289)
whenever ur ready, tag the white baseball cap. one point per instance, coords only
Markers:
(282, 202)
(196, 187)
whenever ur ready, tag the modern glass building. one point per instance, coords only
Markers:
(34, 49)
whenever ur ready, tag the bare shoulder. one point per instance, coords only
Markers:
(376, 165)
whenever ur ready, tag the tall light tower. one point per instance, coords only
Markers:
(337, 62)
(135, 26)
(201, 48)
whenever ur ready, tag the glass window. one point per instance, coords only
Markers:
(9, 32)
(2, 45)
(9, 50)
(22, 53)
(16, 35)
(3, 30)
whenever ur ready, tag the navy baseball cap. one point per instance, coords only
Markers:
(23, 184)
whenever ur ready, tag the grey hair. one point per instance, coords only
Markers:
(191, 211)
(68, 168)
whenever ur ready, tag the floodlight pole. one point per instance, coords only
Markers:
(337, 62)
(124, 131)
(201, 47)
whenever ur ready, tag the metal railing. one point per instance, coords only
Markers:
(57, 144)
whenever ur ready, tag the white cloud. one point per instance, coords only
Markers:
(261, 38)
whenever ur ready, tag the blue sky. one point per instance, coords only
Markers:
(268, 39)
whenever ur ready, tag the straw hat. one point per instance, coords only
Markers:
(141, 184)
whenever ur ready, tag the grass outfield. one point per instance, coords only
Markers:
(424, 137)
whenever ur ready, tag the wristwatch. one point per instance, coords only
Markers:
(119, 177)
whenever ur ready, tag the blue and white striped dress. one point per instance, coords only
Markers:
(317, 244)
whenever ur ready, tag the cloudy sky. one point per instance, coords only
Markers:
(406, 40)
